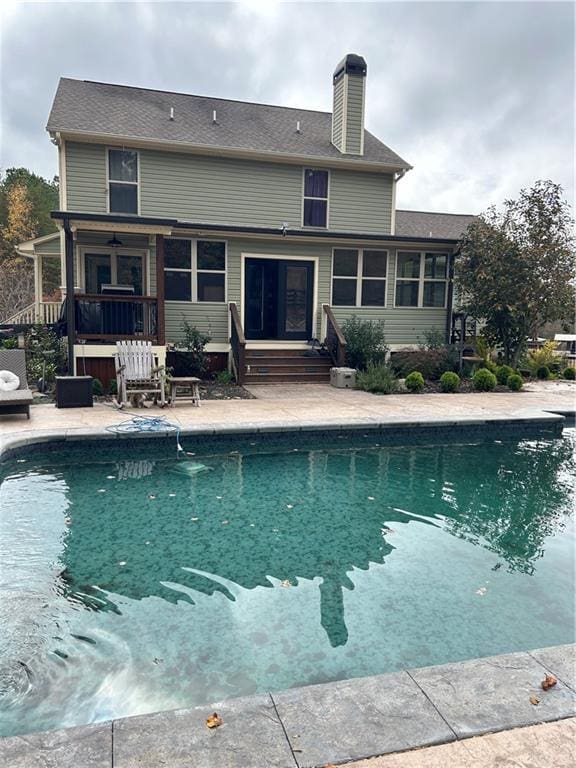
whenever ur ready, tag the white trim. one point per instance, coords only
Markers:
(109, 350)
(393, 211)
(194, 271)
(37, 240)
(280, 257)
(127, 183)
(63, 196)
(113, 253)
(421, 280)
(309, 197)
(203, 149)
(359, 279)
(363, 115)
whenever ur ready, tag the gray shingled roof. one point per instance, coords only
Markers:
(424, 224)
(138, 113)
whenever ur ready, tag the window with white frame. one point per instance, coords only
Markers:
(359, 277)
(122, 181)
(421, 279)
(194, 270)
(315, 208)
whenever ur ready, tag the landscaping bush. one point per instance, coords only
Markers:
(543, 372)
(10, 342)
(431, 363)
(569, 373)
(97, 388)
(484, 380)
(545, 356)
(515, 382)
(191, 358)
(449, 381)
(414, 382)
(379, 379)
(365, 343)
(433, 339)
(502, 373)
(46, 356)
(112, 387)
(224, 377)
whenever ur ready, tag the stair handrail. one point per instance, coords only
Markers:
(335, 341)
(237, 343)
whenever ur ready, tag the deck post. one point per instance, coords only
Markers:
(160, 315)
(70, 307)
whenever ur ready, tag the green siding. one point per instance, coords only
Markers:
(86, 178)
(49, 246)
(360, 202)
(403, 326)
(228, 191)
(354, 115)
(338, 114)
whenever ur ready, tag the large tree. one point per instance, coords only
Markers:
(516, 267)
(25, 204)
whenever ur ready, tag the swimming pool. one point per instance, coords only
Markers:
(133, 581)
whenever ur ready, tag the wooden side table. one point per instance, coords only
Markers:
(190, 383)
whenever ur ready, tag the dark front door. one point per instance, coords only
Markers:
(279, 299)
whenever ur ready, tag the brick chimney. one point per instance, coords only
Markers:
(348, 107)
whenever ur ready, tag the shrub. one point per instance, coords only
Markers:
(365, 343)
(46, 355)
(97, 388)
(449, 381)
(543, 372)
(431, 363)
(484, 380)
(515, 382)
(10, 342)
(502, 373)
(545, 356)
(433, 339)
(224, 377)
(569, 373)
(194, 360)
(113, 387)
(489, 365)
(414, 382)
(380, 379)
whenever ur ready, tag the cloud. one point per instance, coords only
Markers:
(479, 97)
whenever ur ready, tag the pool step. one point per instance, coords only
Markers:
(274, 366)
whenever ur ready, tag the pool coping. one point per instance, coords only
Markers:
(10, 443)
(318, 725)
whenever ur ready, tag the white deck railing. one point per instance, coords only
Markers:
(47, 313)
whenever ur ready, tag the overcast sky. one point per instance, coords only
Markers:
(479, 97)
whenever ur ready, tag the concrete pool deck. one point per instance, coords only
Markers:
(334, 723)
(348, 720)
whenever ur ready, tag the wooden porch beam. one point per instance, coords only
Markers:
(161, 317)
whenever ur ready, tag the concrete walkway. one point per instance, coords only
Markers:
(305, 403)
(550, 745)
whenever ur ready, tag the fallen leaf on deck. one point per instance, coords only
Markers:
(548, 682)
(214, 720)
(286, 583)
(534, 700)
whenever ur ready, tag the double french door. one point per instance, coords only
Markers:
(278, 299)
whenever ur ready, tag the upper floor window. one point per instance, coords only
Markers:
(315, 198)
(194, 270)
(421, 279)
(122, 181)
(359, 277)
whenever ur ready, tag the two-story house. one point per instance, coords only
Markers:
(263, 226)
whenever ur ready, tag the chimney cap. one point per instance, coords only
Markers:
(351, 64)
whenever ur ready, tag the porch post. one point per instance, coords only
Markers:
(38, 267)
(161, 318)
(70, 307)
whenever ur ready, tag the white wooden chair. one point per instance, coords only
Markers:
(138, 372)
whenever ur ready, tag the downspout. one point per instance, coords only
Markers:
(70, 303)
(450, 298)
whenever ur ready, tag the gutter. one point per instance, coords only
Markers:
(280, 231)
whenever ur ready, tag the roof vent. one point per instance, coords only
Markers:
(171, 113)
(214, 121)
(297, 126)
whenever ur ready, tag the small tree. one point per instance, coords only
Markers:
(365, 342)
(516, 267)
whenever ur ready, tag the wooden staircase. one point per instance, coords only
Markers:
(283, 366)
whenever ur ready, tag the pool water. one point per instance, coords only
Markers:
(133, 581)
